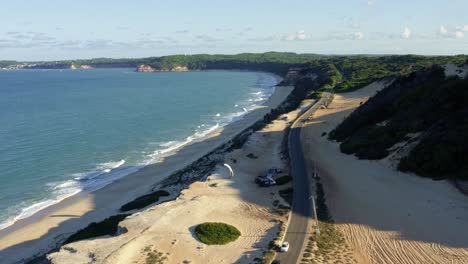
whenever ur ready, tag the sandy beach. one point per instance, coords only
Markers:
(169, 227)
(48, 228)
(385, 216)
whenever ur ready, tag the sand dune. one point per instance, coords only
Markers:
(385, 216)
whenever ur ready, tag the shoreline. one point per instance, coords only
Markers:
(158, 156)
(46, 229)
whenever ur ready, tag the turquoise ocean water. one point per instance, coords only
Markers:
(67, 131)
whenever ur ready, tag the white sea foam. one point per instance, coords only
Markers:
(106, 173)
(97, 178)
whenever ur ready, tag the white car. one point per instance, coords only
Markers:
(284, 247)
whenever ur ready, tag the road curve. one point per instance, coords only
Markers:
(301, 215)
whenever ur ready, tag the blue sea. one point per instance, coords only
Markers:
(67, 131)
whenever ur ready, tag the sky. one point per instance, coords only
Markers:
(62, 29)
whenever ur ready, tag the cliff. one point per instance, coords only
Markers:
(85, 67)
(149, 68)
(145, 68)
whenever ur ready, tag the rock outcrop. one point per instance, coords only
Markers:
(145, 68)
(75, 67)
(148, 68)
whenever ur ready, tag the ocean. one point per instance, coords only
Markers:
(68, 131)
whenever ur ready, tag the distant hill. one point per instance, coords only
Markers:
(425, 110)
(357, 70)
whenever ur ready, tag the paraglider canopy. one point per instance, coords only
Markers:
(231, 171)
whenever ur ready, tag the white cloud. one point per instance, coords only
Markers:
(370, 2)
(358, 35)
(443, 30)
(299, 35)
(266, 38)
(451, 32)
(406, 33)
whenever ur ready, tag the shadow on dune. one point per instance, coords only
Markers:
(257, 249)
(65, 215)
(388, 201)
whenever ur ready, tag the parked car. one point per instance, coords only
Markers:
(259, 179)
(274, 171)
(267, 182)
(284, 247)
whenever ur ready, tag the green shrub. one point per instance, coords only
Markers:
(283, 180)
(268, 257)
(216, 233)
(107, 226)
(143, 201)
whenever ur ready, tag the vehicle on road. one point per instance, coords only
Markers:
(284, 247)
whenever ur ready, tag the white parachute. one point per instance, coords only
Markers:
(231, 171)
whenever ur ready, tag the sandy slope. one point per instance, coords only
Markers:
(386, 216)
(46, 229)
(168, 227)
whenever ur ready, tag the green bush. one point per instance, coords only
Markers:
(107, 226)
(216, 233)
(283, 180)
(143, 201)
(268, 256)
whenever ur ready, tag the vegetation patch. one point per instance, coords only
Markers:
(268, 256)
(216, 233)
(108, 226)
(424, 102)
(153, 256)
(330, 243)
(143, 201)
(283, 180)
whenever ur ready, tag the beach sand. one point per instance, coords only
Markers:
(48, 228)
(169, 227)
(385, 216)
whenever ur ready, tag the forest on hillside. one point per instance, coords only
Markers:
(356, 70)
(425, 103)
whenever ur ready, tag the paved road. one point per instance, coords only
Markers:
(298, 229)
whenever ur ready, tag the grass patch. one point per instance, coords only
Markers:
(283, 180)
(154, 256)
(287, 195)
(216, 233)
(143, 201)
(329, 239)
(107, 226)
(268, 256)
